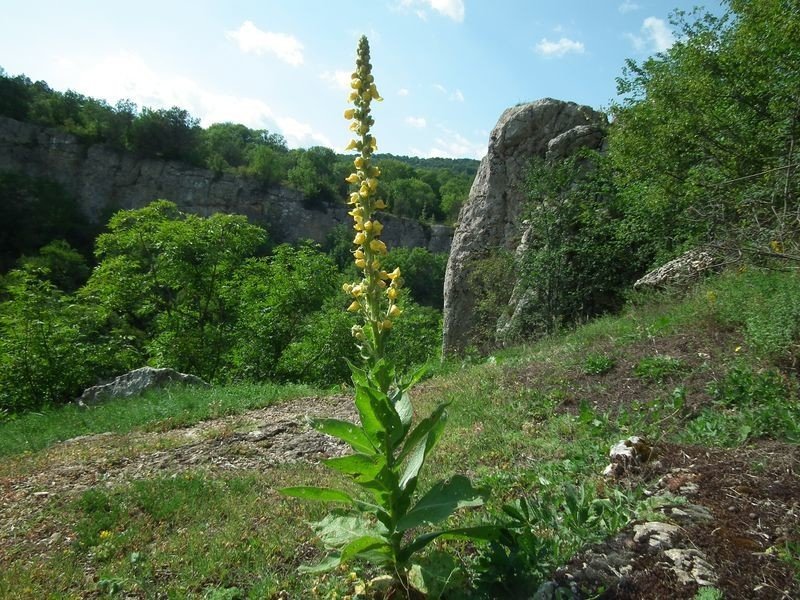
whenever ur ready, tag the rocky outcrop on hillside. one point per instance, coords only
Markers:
(105, 180)
(491, 217)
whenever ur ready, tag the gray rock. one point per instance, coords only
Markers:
(626, 454)
(691, 566)
(655, 534)
(685, 269)
(135, 382)
(105, 180)
(490, 219)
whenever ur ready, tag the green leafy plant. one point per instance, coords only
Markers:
(388, 452)
(598, 364)
(659, 368)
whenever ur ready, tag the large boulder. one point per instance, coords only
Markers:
(490, 220)
(134, 383)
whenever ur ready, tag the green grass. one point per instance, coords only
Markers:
(521, 422)
(166, 409)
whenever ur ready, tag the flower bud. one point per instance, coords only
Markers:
(349, 113)
(386, 325)
(354, 307)
(394, 274)
(352, 178)
(355, 83)
(359, 162)
(395, 311)
(377, 227)
(392, 293)
(353, 145)
(380, 205)
(377, 246)
(360, 238)
(361, 263)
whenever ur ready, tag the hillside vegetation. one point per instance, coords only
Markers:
(175, 493)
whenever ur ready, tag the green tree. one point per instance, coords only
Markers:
(171, 134)
(412, 198)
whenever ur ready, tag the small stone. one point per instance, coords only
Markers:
(655, 533)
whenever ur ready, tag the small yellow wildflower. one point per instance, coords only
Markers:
(352, 178)
(360, 238)
(380, 205)
(349, 113)
(377, 246)
(361, 263)
(395, 311)
(105, 534)
(394, 274)
(359, 162)
(377, 227)
(392, 293)
(354, 307)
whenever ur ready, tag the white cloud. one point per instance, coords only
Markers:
(452, 144)
(252, 40)
(452, 9)
(628, 6)
(558, 49)
(454, 96)
(127, 76)
(418, 122)
(654, 36)
(402, 92)
(338, 79)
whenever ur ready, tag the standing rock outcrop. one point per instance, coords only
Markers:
(490, 219)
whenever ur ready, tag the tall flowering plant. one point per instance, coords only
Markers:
(388, 453)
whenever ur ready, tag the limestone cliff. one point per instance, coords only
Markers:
(104, 180)
(491, 217)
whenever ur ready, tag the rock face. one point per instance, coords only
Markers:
(490, 219)
(105, 180)
(135, 382)
(684, 270)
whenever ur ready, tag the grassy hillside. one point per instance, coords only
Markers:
(174, 494)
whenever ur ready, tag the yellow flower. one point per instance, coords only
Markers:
(352, 178)
(353, 145)
(354, 307)
(358, 253)
(361, 263)
(380, 205)
(355, 83)
(386, 325)
(374, 93)
(367, 225)
(360, 238)
(395, 311)
(349, 113)
(352, 96)
(377, 227)
(392, 293)
(373, 142)
(364, 190)
(354, 197)
(776, 246)
(372, 183)
(359, 162)
(357, 290)
(377, 246)
(394, 274)
(105, 534)
(347, 288)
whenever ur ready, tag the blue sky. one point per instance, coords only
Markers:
(446, 68)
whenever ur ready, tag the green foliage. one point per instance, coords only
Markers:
(767, 305)
(171, 134)
(388, 456)
(748, 404)
(659, 368)
(58, 263)
(538, 536)
(33, 212)
(163, 275)
(704, 139)
(416, 338)
(489, 280)
(51, 347)
(598, 364)
(578, 262)
(411, 198)
(312, 172)
(423, 273)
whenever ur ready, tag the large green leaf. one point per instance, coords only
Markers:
(420, 433)
(347, 432)
(361, 467)
(379, 419)
(485, 533)
(442, 501)
(370, 548)
(330, 562)
(402, 404)
(336, 530)
(319, 494)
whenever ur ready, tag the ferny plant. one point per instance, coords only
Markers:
(388, 453)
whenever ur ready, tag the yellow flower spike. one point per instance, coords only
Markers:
(349, 113)
(377, 246)
(392, 293)
(354, 307)
(395, 311)
(360, 238)
(352, 178)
